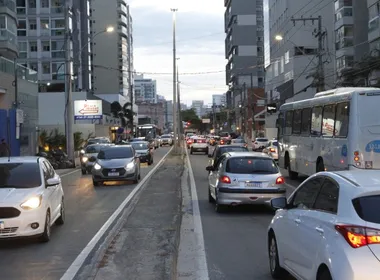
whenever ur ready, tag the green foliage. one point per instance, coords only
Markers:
(191, 116)
(56, 140)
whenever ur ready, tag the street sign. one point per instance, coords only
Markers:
(206, 120)
(88, 109)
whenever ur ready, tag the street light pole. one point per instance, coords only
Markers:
(180, 125)
(175, 129)
(68, 87)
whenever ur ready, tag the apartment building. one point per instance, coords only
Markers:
(374, 36)
(219, 99)
(244, 47)
(199, 107)
(145, 89)
(113, 52)
(8, 25)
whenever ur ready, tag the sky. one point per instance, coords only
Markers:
(200, 46)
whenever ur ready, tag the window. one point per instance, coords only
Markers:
(20, 175)
(341, 119)
(287, 57)
(49, 170)
(3, 22)
(33, 66)
(32, 4)
(44, 23)
(251, 165)
(316, 121)
(297, 122)
(21, 27)
(45, 46)
(305, 197)
(46, 68)
(328, 122)
(306, 121)
(288, 123)
(32, 24)
(33, 46)
(367, 207)
(116, 153)
(327, 199)
(280, 124)
(217, 162)
(44, 3)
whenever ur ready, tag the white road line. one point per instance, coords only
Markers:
(66, 174)
(198, 230)
(78, 262)
(290, 186)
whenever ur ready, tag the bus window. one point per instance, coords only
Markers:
(341, 120)
(306, 121)
(328, 122)
(316, 121)
(280, 124)
(288, 123)
(296, 122)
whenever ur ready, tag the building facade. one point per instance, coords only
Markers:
(244, 54)
(112, 64)
(219, 99)
(374, 36)
(153, 111)
(8, 38)
(198, 106)
(145, 89)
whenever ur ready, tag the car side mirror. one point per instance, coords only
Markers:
(52, 182)
(210, 168)
(279, 203)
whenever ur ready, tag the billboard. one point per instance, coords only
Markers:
(88, 109)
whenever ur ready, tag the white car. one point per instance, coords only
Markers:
(272, 149)
(199, 145)
(329, 228)
(259, 143)
(166, 139)
(31, 198)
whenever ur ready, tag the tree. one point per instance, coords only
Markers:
(191, 116)
(124, 113)
(128, 113)
(116, 109)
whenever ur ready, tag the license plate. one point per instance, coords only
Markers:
(253, 185)
(113, 174)
(2, 225)
(199, 149)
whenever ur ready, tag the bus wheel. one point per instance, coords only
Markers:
(320, 166)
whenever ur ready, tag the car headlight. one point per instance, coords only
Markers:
(97, 166)
(32, 203)
(84, 159)
(130, 165)
(82, 152)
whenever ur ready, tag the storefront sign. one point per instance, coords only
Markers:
(88, 109)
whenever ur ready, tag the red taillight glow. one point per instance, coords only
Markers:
(189, 141)
(358, 236)
(225, 180)
(280, 181)
(221, 142)
(272, 150)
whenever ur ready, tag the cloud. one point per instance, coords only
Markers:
(200, 46)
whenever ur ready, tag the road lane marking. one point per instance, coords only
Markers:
(74, 268)
(199, 250)
(290, 186)
(66, 174)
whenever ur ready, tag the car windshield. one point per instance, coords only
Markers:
(231, 149)
(20, 175)
(275, 143)
(262, 140)
(97, 141)
(251, 165)
(165, 136)
(116, 153)
(93, 149)
(140, 146)
(238, 141)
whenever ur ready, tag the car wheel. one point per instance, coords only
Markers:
(276, 270)
(84, 171)
(219, 208)
(45, 237)
(95, 183)
(139, 176)
(61, 219)
(324, 275)
(210, 198)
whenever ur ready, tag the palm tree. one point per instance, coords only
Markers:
(128, 113)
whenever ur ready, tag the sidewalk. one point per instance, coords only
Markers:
(146, 246)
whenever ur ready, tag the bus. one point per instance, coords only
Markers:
(149, 132)
(336, 130)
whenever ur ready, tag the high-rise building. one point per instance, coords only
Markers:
(374, 36)
(244, 46)
(8, 38)
(145, 89)
(198, 106)
(113, 53)
(219, 99)
(41, 40)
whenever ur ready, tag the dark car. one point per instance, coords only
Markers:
(221, 149)
(143, 151)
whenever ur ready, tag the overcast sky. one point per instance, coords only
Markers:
(200, 46)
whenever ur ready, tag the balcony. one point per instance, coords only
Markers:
(7, 66)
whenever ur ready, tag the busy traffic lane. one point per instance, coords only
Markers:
(87, 209)
(235, 241)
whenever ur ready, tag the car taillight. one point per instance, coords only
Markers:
(280, 181)
(221, 142)
(272, 150)
(358, 236)
(225, 180)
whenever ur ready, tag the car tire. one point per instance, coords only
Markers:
(45, 237)
(210, 198)
(61, 220)
(139, 176)
(84, 171)
(324, 275)
(292, 175)
(219, 208)
(276, 270)
(95, 183)
(320, 166)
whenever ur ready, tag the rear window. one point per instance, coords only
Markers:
(275, 144)
(238, 141)
(231, 149)
(166, 136)
(116, 153)
(93, 149)
(368, 208)
(262, 140)
(20, 175)
(199, 140)
(251, 165)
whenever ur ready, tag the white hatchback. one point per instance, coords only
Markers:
(199, 145)
(329, 228)
(31, 198)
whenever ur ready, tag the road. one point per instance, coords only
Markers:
(235, 241)
(87, 209)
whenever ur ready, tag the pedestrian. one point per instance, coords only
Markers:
(4, 149)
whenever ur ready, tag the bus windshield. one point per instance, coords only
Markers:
(368, 108)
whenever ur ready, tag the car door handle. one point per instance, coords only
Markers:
(320, 230)
(297, 221)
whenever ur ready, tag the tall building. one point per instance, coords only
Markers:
(293, 50)
(198, 106)
(219, 99)
(8, 38)
(374, 36)
(145, 89)
(113, 53)
(244, 46)
(41, 40)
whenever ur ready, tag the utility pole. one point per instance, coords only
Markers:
(214, 117)
(244, 109)
(16, 83)
(68, 85)
(320, 34)
(175, 129)
(180, 125)
(130, 76)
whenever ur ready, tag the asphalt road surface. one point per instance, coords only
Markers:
(87, 209)
(235, 241)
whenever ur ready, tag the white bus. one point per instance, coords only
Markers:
(149, 131)
(336, 130)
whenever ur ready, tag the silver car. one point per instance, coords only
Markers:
(89, 157)
(239, 142)
(116, 163)
(244, 178)
(143, 151)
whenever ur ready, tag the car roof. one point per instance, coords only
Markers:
(140, 142)
(248, 154)
(234, 146)
(27, 159)
(359, 178)
(118, 146)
